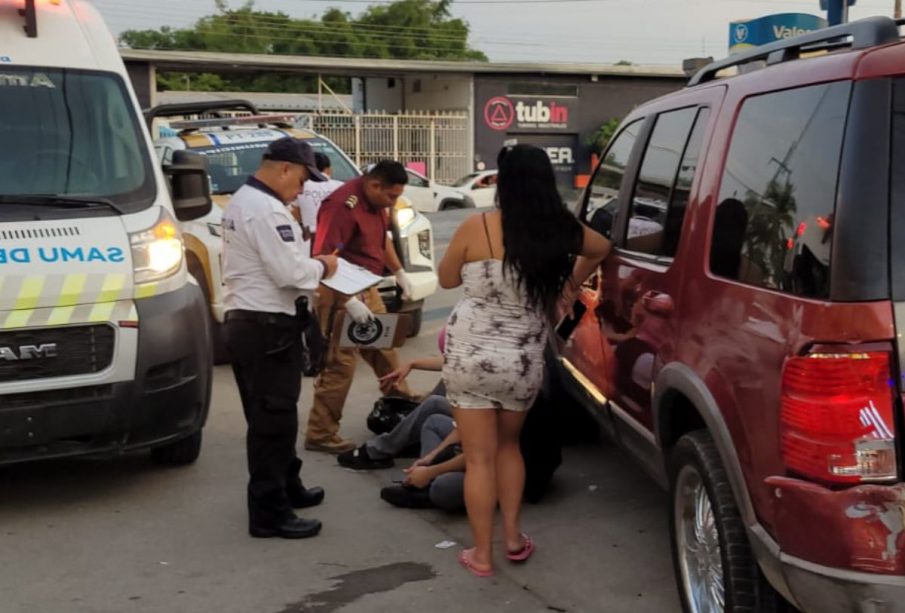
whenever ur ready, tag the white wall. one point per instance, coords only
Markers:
(418, 93)
(438, 93)
(379, 95)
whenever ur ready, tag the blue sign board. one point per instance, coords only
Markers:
(770, 28)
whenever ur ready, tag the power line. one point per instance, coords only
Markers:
(280, 27)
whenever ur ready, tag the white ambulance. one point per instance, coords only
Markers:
(103, 346)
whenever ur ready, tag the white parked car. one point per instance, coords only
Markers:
(429, 196)
(479, 186)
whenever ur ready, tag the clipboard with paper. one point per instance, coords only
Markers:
(351, 279)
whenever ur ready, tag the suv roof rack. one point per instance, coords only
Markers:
(864, 33)
(197, 108)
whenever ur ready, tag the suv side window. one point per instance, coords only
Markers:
(664, 181)
(603, 193)
(773, 225)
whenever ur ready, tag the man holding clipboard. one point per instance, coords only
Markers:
(353, 223)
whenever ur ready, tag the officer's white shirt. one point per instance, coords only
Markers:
(309, 201)
(264, 265)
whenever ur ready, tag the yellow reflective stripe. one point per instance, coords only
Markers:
(30, 293)
(60, 315)
(145, 291)
(102, 311)
(112, 288)
(17, 319)
(72, 289)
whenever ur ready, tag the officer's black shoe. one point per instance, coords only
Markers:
(407, 497)
(290, 528)
(304, 497)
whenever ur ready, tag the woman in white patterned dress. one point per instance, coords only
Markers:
(515, 263)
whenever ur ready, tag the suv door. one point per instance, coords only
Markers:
(583, 353)
(635, 302)
(639, 283)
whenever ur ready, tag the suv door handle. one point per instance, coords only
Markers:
(657, 303)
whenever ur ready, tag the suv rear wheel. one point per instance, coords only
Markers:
(715, 568)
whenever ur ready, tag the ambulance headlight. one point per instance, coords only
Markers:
(403, 212)
(158, 251)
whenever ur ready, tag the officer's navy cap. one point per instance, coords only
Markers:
(294, 151)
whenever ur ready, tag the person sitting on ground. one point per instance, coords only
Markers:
(437, 479)
(379, 451)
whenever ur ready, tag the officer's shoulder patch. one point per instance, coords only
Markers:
(286, 233)
(352, 201)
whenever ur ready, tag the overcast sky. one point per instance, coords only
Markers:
(640, 31)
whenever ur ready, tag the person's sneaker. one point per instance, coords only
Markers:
(333, 445)
(360, 459)
(407, 497)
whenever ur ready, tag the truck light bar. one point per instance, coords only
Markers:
(217, 122)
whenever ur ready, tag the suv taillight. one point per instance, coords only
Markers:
(836, 421)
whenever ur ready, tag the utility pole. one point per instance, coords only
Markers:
(897, 12)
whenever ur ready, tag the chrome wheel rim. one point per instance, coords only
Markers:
(698, 544)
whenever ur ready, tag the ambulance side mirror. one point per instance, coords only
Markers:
(190, 188)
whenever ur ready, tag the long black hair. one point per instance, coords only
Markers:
(540, 235)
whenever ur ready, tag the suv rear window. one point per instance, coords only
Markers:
(773, 226)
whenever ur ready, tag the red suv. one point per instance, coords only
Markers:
(744, 340)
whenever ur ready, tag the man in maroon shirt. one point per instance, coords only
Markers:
(353, 223)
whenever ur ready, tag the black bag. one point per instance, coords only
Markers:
(388, 412)
(314, 345)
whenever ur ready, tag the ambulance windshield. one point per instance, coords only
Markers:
(71, 133)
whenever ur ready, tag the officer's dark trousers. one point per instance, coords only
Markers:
(266, 353)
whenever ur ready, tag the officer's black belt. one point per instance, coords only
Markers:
(260, 317)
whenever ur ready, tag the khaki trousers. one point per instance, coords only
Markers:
(332, 386)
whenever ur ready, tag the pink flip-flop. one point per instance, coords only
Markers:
(469, 565)
(524, 553)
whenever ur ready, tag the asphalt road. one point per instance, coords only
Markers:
(122, 535)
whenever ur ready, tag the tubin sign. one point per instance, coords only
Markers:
(506, 114)
(770, 28)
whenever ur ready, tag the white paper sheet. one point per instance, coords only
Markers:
(351, 279)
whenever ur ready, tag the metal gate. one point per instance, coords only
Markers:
(437, 140)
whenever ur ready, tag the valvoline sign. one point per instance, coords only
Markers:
(771, 28)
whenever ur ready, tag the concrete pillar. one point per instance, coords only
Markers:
(144, 81)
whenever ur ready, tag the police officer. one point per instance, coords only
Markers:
(267, 275)
(309, 201)
(353, 221)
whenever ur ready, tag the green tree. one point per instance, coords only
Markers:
(599, 139)
(405, 29)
